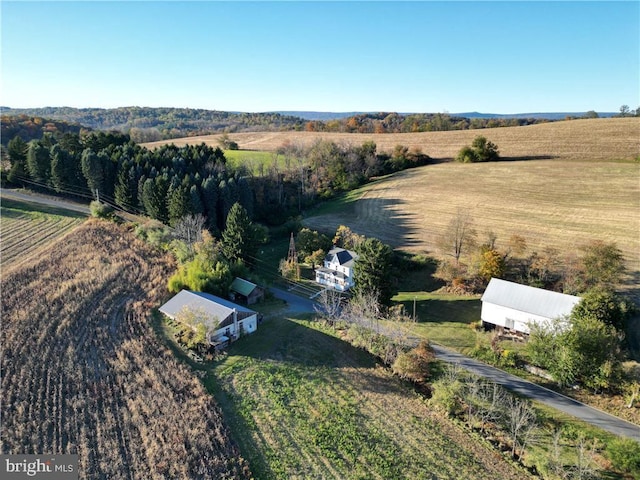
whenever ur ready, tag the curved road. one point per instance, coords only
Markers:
(553, 399)
(518, 385)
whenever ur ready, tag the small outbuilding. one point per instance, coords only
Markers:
(244, 291)
(515, 306)
(224, 321)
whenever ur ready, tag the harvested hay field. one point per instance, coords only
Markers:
(25, 228)
(84, 373)
(593, 139)
(558, 204)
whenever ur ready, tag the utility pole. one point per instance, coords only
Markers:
(414, 308)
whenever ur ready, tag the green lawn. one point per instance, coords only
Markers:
(302, 403)
(258, 161)
(443, 318)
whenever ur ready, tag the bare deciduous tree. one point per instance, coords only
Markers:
(329, 305)
(189, 229)
(520, 421)
(459, 235)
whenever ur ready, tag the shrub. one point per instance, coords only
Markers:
(100, 210)
(415, 364)
(467, 155)
(624, 454)
(446, 397)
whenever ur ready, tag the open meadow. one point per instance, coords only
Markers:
(27, 227)
(593, 139)
(84, 373)
(551, 203)
(304, 404)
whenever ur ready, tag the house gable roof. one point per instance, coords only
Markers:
(242, 286)
(214, 307)
(523, 298)
(343, 257)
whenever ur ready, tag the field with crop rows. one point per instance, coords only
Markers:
(305, 404)
(25, 228)
(84, 373)
(593, 139)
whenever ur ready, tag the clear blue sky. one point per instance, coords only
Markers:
(497, 57)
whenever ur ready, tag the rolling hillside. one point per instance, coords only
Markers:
(594, 139)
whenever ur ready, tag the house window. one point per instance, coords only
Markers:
(510, 323)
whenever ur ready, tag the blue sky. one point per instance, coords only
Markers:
(498, 57)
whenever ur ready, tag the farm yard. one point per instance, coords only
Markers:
(305, 404)
(84, 373)
(27, 227)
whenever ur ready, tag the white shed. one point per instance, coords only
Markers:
(515, 306)
(223, 319)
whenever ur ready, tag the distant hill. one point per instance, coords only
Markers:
(323, 116)
(543, 115)
(29, 127)
(150, 124)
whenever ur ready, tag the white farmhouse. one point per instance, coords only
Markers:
(225, 321)
(515, 306)
(337, 271)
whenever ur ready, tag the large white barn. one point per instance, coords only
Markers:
(515, 306)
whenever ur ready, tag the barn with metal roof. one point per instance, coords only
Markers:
(515, 306)
(221, 317)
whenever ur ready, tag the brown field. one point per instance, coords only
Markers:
(594, 139)
(25, 228)
(84, 373)
(560, 204)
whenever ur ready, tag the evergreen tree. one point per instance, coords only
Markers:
(65, 171)
(92, 170)
(17, 151)
(178, 204)
(373, 270)
(154, 195)
(239, 239)
(38, 162)
(210, 201)
(196, 205)
(126, 190)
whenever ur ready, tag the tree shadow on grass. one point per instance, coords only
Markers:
(526, 157)
(283, 340)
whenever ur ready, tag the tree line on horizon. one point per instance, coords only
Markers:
(147, 124)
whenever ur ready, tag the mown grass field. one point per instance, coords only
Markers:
(27, 227)
(551, 203)
(255, 161)
(304, 404)
(593, 139)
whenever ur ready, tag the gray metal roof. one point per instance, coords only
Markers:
(214, 307)
(343, 257)
(523, 298)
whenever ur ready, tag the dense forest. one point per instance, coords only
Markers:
(171, 182)
(145, 124)
(29, 128)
